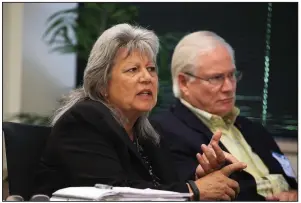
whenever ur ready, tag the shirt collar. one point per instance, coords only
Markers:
(229, 119)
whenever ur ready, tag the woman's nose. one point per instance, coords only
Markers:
(145, 76)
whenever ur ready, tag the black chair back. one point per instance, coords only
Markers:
(24, 146)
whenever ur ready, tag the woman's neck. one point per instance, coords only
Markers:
(129, 130)
(131, 119)
(128, 120)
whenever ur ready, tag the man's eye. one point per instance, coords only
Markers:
(151, 69)
(231, 75)
(217, 77)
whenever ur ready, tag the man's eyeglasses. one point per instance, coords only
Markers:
(219, 80)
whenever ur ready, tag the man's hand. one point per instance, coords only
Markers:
(213, 157)
(217, 185)
(290, 196)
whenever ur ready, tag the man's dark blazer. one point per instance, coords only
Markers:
(88, 146)
(185, 133)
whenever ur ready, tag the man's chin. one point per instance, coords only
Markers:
(224, 111)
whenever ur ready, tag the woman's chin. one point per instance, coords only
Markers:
(145, 108)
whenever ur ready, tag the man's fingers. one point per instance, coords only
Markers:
(216, 137)
(293, 197)
(271, 198)
(229, 169)
(284, 196)
(220, 156)
(211, 158)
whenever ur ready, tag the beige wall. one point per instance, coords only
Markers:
(12, 64)
(12, 57)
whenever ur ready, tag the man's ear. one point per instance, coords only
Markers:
(183, 84)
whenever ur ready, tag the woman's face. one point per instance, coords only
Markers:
(134, 83)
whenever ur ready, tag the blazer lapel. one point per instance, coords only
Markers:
(160, 160)
(122, 134)
(256, 146)
(191, 120)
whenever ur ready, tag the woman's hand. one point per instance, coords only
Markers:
(218, 186)
(213, 157)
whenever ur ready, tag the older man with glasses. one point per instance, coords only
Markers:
(204, 79)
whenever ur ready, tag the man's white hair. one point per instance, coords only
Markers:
(189, 49)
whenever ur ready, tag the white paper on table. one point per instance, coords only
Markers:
(117, 194)
(130, 192)
(85, 193)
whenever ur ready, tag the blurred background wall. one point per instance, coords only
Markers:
(46, 76)
(33, 78)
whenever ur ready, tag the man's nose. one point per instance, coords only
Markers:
(228, 84)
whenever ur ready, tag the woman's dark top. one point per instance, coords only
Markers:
(87, 146)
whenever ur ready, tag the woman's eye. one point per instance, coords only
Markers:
(151, 69)
(132, 69)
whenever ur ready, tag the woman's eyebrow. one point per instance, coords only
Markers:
(133, 63)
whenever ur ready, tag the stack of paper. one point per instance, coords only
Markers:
(116, 194)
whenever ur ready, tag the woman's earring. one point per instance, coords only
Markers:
(106, 95)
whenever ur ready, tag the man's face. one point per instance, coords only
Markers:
(215, 98)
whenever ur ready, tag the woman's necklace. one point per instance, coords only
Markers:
(155, 179)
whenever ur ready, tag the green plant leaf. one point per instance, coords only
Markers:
(64, 49)
(55, 35)
(57, 23)
(133, 10)
(119, 14)
(66, 35)
(63, 12)
(87, 23)
(109, 7)
(31, 118)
